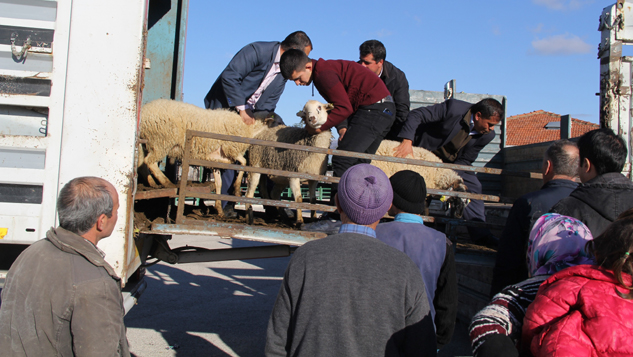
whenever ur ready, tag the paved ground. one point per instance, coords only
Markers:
(215, 309)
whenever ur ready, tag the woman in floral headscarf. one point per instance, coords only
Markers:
(556, 242)
(587, 310)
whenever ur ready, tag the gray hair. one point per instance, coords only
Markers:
(81, 202)
(562, 162)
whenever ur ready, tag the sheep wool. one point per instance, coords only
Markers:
(289, 160)
(164, 124)
(436, 178)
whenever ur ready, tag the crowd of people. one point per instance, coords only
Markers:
(374, 288)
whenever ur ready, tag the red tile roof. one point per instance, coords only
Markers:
(529, 128)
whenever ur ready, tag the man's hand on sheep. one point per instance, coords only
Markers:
(247, 116)
(404, 149)
(341, 133)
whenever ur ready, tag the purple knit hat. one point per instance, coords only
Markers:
(364, 193)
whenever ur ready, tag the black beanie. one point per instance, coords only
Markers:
(409, 191)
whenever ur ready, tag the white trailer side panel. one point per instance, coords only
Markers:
(78, 115)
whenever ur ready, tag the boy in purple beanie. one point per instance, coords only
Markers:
(429, 249)
(349, 294)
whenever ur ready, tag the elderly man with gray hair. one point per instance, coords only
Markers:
(350, 294)
(60, 296)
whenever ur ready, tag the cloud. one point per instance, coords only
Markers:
(561, 45)
(383, 33)
(496, 30)
(538, 29)
(563, 5)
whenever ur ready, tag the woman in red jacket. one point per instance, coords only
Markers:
(587, 310)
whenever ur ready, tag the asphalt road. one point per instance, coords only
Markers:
(215, 309)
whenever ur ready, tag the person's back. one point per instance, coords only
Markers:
(429, 249)
(559, 169)
(599, 201)
(349, 295)
(604, 193)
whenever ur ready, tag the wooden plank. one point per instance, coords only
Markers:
(158, 193)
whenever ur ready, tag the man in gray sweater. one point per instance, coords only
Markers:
(350, 294)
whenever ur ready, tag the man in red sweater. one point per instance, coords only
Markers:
(358, 95)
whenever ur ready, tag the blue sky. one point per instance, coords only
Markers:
(540, 54)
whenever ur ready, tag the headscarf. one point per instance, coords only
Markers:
(557, 242)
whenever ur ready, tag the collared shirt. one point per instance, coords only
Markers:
(270, 76)
(472, 125)
(408, 218)
(355, 228)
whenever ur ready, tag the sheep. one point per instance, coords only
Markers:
(436, 178)
(164, 124)
(291, 160)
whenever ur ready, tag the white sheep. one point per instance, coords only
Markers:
(164, 124)
(291, 160)
(436, 178)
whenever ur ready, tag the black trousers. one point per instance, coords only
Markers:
(475, 211)
(365, 130)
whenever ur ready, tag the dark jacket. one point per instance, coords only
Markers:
(350, 295)
(74, 304)
(398, 86)
(243, 75)
(434, 126)
(511, 265)
(433, 254)
(598, 202)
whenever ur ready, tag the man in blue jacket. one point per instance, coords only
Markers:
(252, 82)
(429, 249)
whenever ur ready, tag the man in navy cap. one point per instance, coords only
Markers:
(429, 249)
(350, 294)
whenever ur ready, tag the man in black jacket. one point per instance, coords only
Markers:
(605, 192)
(455, 131)
(372, 56)
(560, 167)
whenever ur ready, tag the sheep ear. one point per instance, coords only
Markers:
(270, 121)
(329, 106)
(300, 114)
